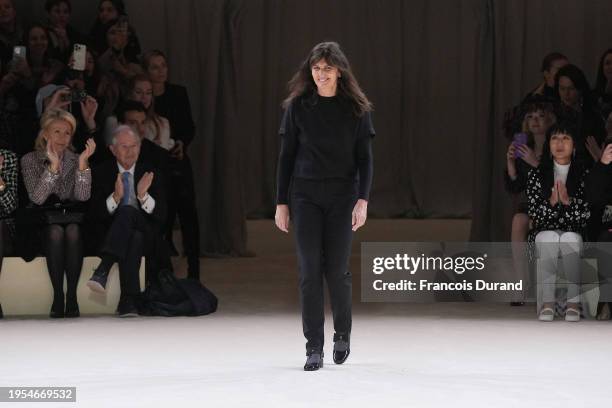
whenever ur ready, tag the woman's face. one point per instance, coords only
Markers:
(90, 64)
(325, 77)
(58, 135)
(107, 12)
(7, 12)
(158, 70)
(607, 67)
(117, 37)
(561, 147)
(37, 41)
(537, 122)
(567, 92)
(59, 15)
(143, 93)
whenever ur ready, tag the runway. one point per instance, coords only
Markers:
(251, 351)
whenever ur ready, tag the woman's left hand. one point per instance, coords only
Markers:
(360, 213)
(90, 148)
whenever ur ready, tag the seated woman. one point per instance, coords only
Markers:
(538, 116)
(8, 201)
(53, 173)
(556, 204)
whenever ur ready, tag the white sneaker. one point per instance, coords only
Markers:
(547, 314)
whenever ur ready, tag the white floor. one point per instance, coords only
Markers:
(455, 355)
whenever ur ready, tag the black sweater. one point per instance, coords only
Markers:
(321, 138)
(174, 105)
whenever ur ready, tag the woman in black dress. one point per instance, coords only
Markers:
(326, 157)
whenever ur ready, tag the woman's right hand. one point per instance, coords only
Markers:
(53, 159)
(606, 157)
(281, 218)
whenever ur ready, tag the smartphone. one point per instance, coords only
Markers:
(519, 139)
(79, 57)
(19, 52)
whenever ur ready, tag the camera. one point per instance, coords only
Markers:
(75, 95)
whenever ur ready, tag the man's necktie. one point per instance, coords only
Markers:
(125, 178)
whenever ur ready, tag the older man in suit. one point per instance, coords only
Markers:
(129, 204)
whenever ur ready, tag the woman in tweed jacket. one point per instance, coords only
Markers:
(54, 173)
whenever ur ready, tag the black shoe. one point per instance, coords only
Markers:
(57, 308)
(342, 348)
(97, 282)
(314, 360)
(517, 303)
(72, 308)
(127, 308)
(1, 314)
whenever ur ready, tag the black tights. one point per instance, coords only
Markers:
(64, 252)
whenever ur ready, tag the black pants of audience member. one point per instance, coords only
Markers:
(129, 237)
(181, 202)
(322, 217)
(63, 246)
(5, 246)
(604, 267)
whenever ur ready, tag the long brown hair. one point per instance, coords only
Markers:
(348, 88)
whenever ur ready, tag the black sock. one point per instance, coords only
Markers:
(106, 263)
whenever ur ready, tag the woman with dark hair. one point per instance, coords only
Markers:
(538, 116)
(578, 107)
(121, 54)
(108, 11)
(326, 157)
(603, 84)
(555, 192)
(172, 103)
(53, 174)
(39, 68)
(62, 35)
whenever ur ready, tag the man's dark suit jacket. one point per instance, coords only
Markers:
(103, 185)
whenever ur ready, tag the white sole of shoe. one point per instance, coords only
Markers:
(96, 287)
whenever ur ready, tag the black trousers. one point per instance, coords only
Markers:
(604, 269)
(129, 237)
(322, 217)
(181, 202)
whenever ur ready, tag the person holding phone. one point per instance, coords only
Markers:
(326, 158)
(61, 34)
(523, 155)
(559, 210)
